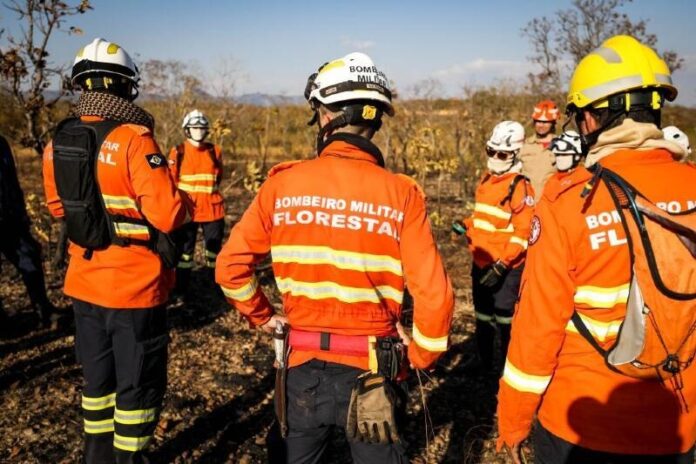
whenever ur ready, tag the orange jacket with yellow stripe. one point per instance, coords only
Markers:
(131, 276)
(344, 235)
(199, 177)
(499, 229)
(578, 259)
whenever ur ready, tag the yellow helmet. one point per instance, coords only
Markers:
(621, 64)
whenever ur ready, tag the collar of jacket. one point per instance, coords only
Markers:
(351, 146)
(632, 137)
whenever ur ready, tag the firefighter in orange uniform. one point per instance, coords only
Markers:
(579, 262)
(344, 234)
(105, 175)
(497, 234)
(537, 160)
(196, 166)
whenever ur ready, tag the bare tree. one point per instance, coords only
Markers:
(26, 70)
(560, 42)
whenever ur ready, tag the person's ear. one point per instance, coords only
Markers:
(591, 123)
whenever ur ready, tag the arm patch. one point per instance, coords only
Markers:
(156, 160)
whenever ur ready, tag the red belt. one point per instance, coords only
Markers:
(351, 345)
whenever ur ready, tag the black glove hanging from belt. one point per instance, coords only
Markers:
(493, 274)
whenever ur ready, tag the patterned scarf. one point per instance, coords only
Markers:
(109, 106)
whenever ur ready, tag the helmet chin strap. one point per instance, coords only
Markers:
(351, 114)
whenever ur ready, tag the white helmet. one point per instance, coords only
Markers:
(103, 58)
(353, 77)
(567, 148)
(195, 118)
(506, 136)
(568, 143)
(676, 135)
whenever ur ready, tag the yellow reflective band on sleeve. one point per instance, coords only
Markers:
(138, 416)
(503, 319)
(243, 293)
(210, 264)
(210, 254)
(197, 177)
(125, 229)
(483, 317)
(197, 188)
(325, 290)
(130, 443)
(340, 259)
(97, 427)
(492, 211)
(487, 226)
(519, 241)
(119, 202)
(601, 297)
(602, 331)
(186, 257)
(524, 382)
(98, 404)
(185, 264)
(438, 344)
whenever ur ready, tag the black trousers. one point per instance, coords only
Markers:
(318, 394)
(123, 353)
(212, 235)
(550, 449)
(21, 249)
(494, 306)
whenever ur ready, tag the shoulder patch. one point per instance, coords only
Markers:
(138, 129)
(283, 166)
(535, 230)
(156, 160)
(413, 182)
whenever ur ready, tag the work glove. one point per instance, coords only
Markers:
(493, 274)
(371, 413)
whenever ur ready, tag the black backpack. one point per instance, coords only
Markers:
(76, 147)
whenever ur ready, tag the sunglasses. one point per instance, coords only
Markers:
(501, 155)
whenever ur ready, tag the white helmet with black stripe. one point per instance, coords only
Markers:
(104, 65)
(353, 77)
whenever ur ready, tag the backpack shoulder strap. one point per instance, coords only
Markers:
(213, 155)
(586, 334)
(511, 190)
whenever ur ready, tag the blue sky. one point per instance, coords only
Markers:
(276, 44)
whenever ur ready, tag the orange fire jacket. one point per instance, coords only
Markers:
(132, 276)
(344, 235)
(199, 177)
(499, 231)
(578, 259)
